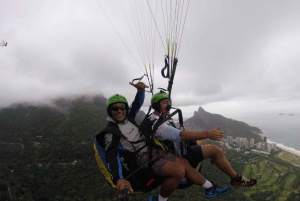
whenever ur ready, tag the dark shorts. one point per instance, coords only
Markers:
(194, 155)
(161, 157)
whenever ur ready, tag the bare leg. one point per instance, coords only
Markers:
(191, 173)
(174, 173)
(201, 142)
(212, 151)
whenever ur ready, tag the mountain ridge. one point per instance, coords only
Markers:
(202, 120)
(65, 112)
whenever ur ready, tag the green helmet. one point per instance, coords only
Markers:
(116, 99)
(156, 98)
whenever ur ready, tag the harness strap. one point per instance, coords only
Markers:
(180, 118)
(158, 122)
(172, 77)
(113, 127)
(166, 67)
(141, 148)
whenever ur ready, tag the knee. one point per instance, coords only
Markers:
(217, 151)
(181, 173)
(184, 161)
(173, 170)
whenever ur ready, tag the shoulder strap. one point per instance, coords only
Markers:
(114, 129)
(110, 128)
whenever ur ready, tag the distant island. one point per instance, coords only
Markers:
(285, 114)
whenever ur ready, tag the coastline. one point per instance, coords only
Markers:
(289, 150)
(284, 147)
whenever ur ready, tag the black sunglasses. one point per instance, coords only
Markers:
(117, 108)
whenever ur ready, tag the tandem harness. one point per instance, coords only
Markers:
(142, 179)
(149, 128)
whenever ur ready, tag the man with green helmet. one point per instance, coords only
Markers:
(167, 131)
(156, 98)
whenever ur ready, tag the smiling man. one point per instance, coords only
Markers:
(118, 111)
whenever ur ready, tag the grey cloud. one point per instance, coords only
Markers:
(230, 51)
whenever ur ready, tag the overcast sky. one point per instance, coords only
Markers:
(235, 56)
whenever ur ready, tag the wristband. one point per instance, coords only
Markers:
(207, 134)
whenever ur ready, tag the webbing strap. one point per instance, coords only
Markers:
(166, 67)
(168, 74)
(137, 151)
(180, 118)
(172, 77)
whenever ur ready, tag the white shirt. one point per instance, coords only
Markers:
(167, 132)
(132, 134)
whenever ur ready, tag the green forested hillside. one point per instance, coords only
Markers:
(53, 138)
(58, 164)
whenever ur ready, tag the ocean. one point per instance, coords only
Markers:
(284, 130)
(281, 129)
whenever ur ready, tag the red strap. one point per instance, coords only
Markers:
(150, 182)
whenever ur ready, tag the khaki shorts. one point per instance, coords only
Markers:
(161, 157)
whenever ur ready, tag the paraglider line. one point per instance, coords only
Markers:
(183, 26)
(118, 34)
(156, 26)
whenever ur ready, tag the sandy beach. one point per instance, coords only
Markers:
(287, 149)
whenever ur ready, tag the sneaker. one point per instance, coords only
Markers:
(216, 190)
(243, 181)
(153, 198)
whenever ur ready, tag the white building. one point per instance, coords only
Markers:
(251, 142)
(238, 141)
(269, 147)
(263, 146)
(258, 146)
(230, 139)
(245, 143)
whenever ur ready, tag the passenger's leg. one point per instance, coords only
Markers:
(212, 151)
(196, 178)
(201, 142)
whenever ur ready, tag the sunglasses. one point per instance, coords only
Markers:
(117, 108)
